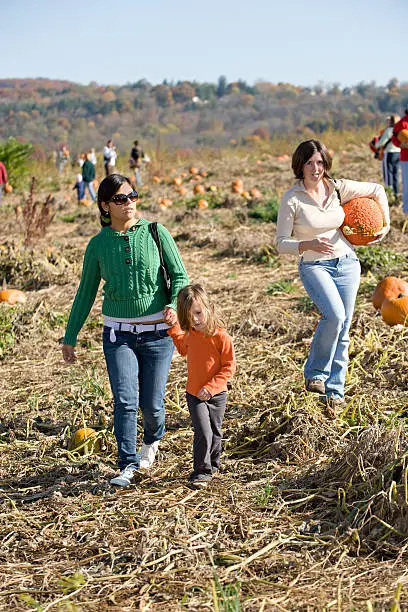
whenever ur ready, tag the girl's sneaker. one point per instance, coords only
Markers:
(125, 476)
(148, 454)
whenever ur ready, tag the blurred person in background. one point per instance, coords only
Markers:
(391, 155)
(402, 124)
(3, 179)
(135, 161)
(88, 176)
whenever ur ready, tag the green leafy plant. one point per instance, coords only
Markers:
(14, 155)
(283, 286)
(265, 211)
(377, 259)
(226, 598)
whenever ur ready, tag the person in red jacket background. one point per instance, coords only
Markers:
(3, 179)
(402, 124)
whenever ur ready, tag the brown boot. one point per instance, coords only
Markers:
(314, 385)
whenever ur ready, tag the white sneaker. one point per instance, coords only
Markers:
(125, 476)
(148, 454)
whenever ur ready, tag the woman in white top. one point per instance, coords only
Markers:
(309, 219)
(391, 159)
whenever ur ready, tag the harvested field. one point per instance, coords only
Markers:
(309, 512)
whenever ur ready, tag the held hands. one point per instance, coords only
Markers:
(203, 394)
(380, 235)
(320, 245)
(170, 316)
(68, 353)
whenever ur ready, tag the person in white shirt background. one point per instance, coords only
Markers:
(108, 153)
(391, 159)
(309, 219)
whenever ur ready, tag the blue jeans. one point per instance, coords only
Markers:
(138, 366)
(404, 173)
(392, 161)
(90, 189)
(332, 285)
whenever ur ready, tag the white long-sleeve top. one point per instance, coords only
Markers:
(386, 137)
(300, 217)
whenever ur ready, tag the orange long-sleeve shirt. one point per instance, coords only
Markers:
(210, 359)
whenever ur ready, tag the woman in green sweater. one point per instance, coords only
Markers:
(137, 314)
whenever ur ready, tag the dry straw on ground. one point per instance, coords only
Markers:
(309, 512)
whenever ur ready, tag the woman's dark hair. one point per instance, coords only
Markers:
(305, 151)
(108, 187)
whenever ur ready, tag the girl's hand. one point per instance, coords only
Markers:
(170, 316)
(203, 394)
(320, 245)
(380, 235)
(68, 353)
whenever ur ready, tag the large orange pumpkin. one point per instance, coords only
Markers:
(12, 296)
(390, 287)
(395, 311)
(363, 218)
(403, 136)
(84, 441)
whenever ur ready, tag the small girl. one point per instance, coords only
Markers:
(80, 187)
(210, 364)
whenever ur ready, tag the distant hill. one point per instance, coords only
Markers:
(185, 114)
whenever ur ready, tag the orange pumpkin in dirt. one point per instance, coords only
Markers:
(255, 194)
(12, 296)
(177, 181)
(237, 186)
(181, 190)
(202, 204)
(193, 170)
(84, 441)
(8, 188)
(403, 136)
(156, 179)
(85, 202)
(203, 173)
(363, 218)
(199, 189)
(390, 287)
(395, 311)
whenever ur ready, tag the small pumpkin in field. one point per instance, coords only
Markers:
(177, 181)
(85, 441)
(12, 296)
(8, 188)
(181, 190)
(156, 179)
(390, 287)
(255, 193)
(363, 218)
(85, 202)
(193, 170)
(203, 173)
(199, 189)
(403, 136)
(237, 186)
(202, 204)
(394, 311)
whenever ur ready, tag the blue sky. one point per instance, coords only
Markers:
(121, 41)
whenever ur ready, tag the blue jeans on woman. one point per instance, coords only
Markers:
(138, 367)
(332, 285)
(90, 189)
(393, 162)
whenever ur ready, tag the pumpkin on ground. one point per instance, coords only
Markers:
(12, 296)
(203, 204)
(255, 193)
(84, 441)
(237, 186)
(177, 181)
(390, 287)
(363, 218)
(199, 189)
(193, 170)
(85, 202)
(403, 136)
(156, 179)
(181, 190)
(8, 188)
(395, 311)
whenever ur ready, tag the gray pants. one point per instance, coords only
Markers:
(207, 420)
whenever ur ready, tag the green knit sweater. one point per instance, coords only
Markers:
(129, 264)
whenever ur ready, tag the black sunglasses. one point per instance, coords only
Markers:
(122, 198)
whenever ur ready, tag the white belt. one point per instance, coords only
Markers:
(133, 328)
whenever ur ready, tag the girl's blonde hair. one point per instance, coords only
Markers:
(185, 300)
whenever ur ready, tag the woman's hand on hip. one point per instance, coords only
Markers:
(319, 245)
(170, 316)
(203, 394)
(380, 235)
(68, 353)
